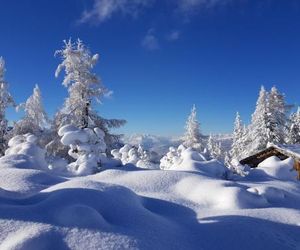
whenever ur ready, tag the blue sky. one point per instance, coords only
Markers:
(159, 56)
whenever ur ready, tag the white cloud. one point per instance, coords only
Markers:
(188, 6)
(103, 10)
(173, 36)
(150, 41)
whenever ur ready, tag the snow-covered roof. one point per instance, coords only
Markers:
(293, 149)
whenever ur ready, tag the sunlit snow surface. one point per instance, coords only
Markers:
(131, 208)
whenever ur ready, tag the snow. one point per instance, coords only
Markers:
(25, 146)
(290, 148)
(276, 168)
(187, 159)
(189, 206)
(136, 155)
(87, 147)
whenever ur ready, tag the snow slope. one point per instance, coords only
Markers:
(131, 208)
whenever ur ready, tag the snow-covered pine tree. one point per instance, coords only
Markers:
(246, 141)
(277, 116)
(258, 130)
(214, 149)
(6, 101)
(210, 145)
(227, 159)
(192, 137)
(238, 138)
(84, 88)
(293, 136)
(35, 119)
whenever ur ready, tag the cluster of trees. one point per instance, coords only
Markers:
(84, 89)
(270, 123)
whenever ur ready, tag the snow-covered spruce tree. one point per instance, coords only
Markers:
(84, 88)
(277, 116)
(35, 119)
(192, 137)
(293, 136)
(6, 101)
(238, 138)
(214, 149)
(258, 130)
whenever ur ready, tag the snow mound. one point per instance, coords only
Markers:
(17, 183)
(33, 237)
(132, 208)
(24, 148)
(271, 194)
(187, 159)
(276, 168)
(218, 194)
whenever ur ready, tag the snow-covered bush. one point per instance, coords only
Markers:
(172, 158)
(137, 156)
(87, 147)
(27, 145)
(188, 159)
(237, 168)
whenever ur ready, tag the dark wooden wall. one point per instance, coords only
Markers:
(254, 160)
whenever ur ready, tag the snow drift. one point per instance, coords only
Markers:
(190, 206)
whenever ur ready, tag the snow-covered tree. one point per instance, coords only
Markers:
(192, 137)
(227, 160)
(84, 88)
(293, 136)
(35, 119)
(258, 130)
(172, 158)
(238, 138)
(87, 147)
(214, 149)
(277, 116)
(6, 101)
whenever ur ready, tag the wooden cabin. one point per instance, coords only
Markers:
(281, 151)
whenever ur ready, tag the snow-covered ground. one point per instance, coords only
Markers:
(133, 208)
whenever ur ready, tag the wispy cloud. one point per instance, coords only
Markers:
(173, 35)
(102, 10)
(150, 41)
(189, 6)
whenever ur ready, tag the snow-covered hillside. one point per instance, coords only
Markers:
(131, 208)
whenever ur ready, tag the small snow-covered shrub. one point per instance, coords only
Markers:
(237, 168)
(27, 145)
(137, 156)
(188, 159)
(172, 158)
(87, 147)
